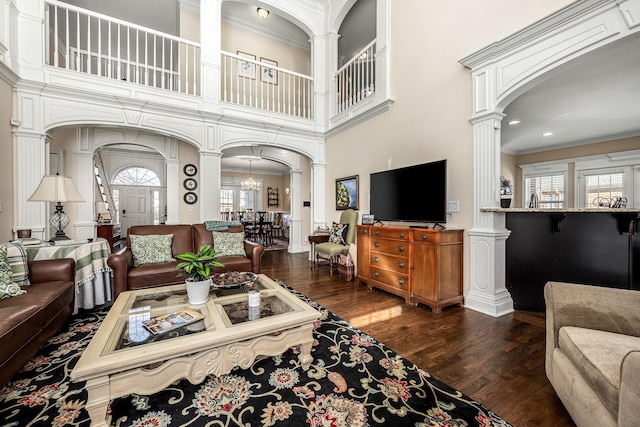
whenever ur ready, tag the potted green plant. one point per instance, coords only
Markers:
(198, 267)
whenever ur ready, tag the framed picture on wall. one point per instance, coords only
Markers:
(269, 75)
(347, 193)
(246, 69)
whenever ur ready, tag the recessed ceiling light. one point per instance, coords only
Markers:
(513, 122)
(263, 13)
(547, 134)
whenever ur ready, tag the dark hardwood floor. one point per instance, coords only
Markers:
(499, 362)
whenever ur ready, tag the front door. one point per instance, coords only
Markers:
(135, 207)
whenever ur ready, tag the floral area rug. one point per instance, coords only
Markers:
(353, 381)
(277, 245)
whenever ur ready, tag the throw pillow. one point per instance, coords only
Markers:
(8, 289)
(17, 260)
(338, 233)
(151, 249)
(228, 244)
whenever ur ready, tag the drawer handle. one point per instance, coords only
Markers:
(401, 264)
(401, 235)
(400, 248)
(376, 274)
(376, 244)
(400, 281)
(423, 237)
(375, 259)
(376, 232)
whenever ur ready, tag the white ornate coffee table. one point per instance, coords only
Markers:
(123, 357)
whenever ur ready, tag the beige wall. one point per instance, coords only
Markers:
(189, 24)
(6, 163)
(614, 146)
(432, 91)
(238, 39)
(190, 214)
(509, 170)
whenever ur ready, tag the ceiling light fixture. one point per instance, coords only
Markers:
(513, 122)
(250, 184)
(547, 134)
(263, 13)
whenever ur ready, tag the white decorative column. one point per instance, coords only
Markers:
(32, 153)
(295, 221)
(501, 72)
(325, 51)
(85, 180)
(210, 177)
(382, 48)
(30, 40)
(210, 46)
(487, 286)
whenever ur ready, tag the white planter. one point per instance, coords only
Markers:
(198, 292)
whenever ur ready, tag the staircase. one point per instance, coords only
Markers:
(104, 189)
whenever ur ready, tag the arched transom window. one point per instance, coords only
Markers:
(136, 175)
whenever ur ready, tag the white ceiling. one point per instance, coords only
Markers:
(592, 99)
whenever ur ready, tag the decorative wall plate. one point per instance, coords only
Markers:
(190, 169)
(190, 184)
(190, 198)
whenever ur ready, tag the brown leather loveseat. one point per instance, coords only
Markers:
(27, 321)
(186, 238)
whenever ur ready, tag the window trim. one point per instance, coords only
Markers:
(581, 190)
(536, 170)
(625, 161)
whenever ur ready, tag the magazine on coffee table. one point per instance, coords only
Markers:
(168, 322)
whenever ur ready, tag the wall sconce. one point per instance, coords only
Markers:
(287, 191)
(263, 13)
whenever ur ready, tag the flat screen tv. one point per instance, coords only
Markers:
(413, 193)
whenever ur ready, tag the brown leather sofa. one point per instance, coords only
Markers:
(186, 238)
(27, 321)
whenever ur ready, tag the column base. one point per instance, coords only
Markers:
(492, 305)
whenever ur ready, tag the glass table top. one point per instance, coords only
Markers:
(159, 314)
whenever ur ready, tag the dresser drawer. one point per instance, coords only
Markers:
(388, 262)
(392, 247)
(385, 233)
(391, 278)
(437, 236)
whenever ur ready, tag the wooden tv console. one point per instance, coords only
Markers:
(421, 265)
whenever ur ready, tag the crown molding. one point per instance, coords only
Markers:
(265, 33)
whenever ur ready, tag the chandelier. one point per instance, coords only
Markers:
(250, 184)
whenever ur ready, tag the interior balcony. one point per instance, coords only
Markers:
(90, 52)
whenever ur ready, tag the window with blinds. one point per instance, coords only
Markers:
(550, 190)
(603, 189)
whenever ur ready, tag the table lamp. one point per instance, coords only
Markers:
(57, 188)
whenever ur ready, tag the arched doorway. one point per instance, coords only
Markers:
(139, 197)
(500, 73)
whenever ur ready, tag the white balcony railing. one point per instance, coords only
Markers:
(251, 83)
(356, 80)
(92, 43)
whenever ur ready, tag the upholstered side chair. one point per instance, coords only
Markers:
(339, 241)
